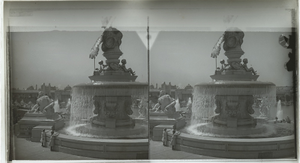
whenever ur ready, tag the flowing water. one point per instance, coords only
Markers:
(177, 105)
(82, 103)
(204, 97)
(56, 106)
(279, 111)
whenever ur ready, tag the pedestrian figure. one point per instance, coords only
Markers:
(288, 120)
(51, 142)
(165, 137)
(276, 119)
(43, 138)
(173, 139)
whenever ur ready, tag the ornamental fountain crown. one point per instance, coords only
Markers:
(113, 70)
(235, 69)
(111, 92)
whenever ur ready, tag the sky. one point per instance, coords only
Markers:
(62, 58)
(185, 58)
(50, 41)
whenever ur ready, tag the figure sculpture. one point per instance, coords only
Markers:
(165, 104)
(123, 67)
(110, 42)
(245, 61)
(234, 69)
(44, 105)
(233, 39)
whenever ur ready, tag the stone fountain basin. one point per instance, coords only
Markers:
(259, 148)
(111, 83)
(102, 148)
(139, 131)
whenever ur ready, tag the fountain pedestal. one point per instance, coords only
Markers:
(234, 111)
(112, 111)
(102, 123)
(233, 132)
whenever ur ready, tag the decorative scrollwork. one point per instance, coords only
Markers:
(110, 109)
(97, 106)
(249, 105)
(232, 108)
(127, 106)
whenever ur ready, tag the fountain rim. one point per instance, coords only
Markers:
(101, 140)
(234, 148)
(109, 83)
(237, 140)
(236, 83)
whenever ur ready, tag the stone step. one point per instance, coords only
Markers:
(36, 132)
(104, 155)
(158, 130)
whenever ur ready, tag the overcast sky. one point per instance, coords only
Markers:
(50, 41)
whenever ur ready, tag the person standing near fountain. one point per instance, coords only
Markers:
(165, 137)
(51, 142)
(245, 62)
(174, 138)
(43, 138)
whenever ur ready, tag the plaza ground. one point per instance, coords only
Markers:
(27, 150)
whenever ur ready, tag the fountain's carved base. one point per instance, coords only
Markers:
(238, 132)
(234, 100)
(113, 123)
(234, 122)
(112, 111)
(234, 111)
(106, 104)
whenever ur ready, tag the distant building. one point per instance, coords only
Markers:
(154, 94)
(48, 90)
(31, 93)
(169, 89)
(24, 95)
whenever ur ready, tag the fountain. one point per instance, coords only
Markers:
(43, 115)
(279, 111)
(222, 124)
(101, 121)
(56, 106)
(177, 105)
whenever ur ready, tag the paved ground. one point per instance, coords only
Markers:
(27, 150)
(158, 151)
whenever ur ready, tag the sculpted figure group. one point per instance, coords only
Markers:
(121, 67)
(241, 66)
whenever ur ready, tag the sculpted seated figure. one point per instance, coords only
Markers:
(244, 65)
(165, 104)
(45, 104)
(123, 67)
